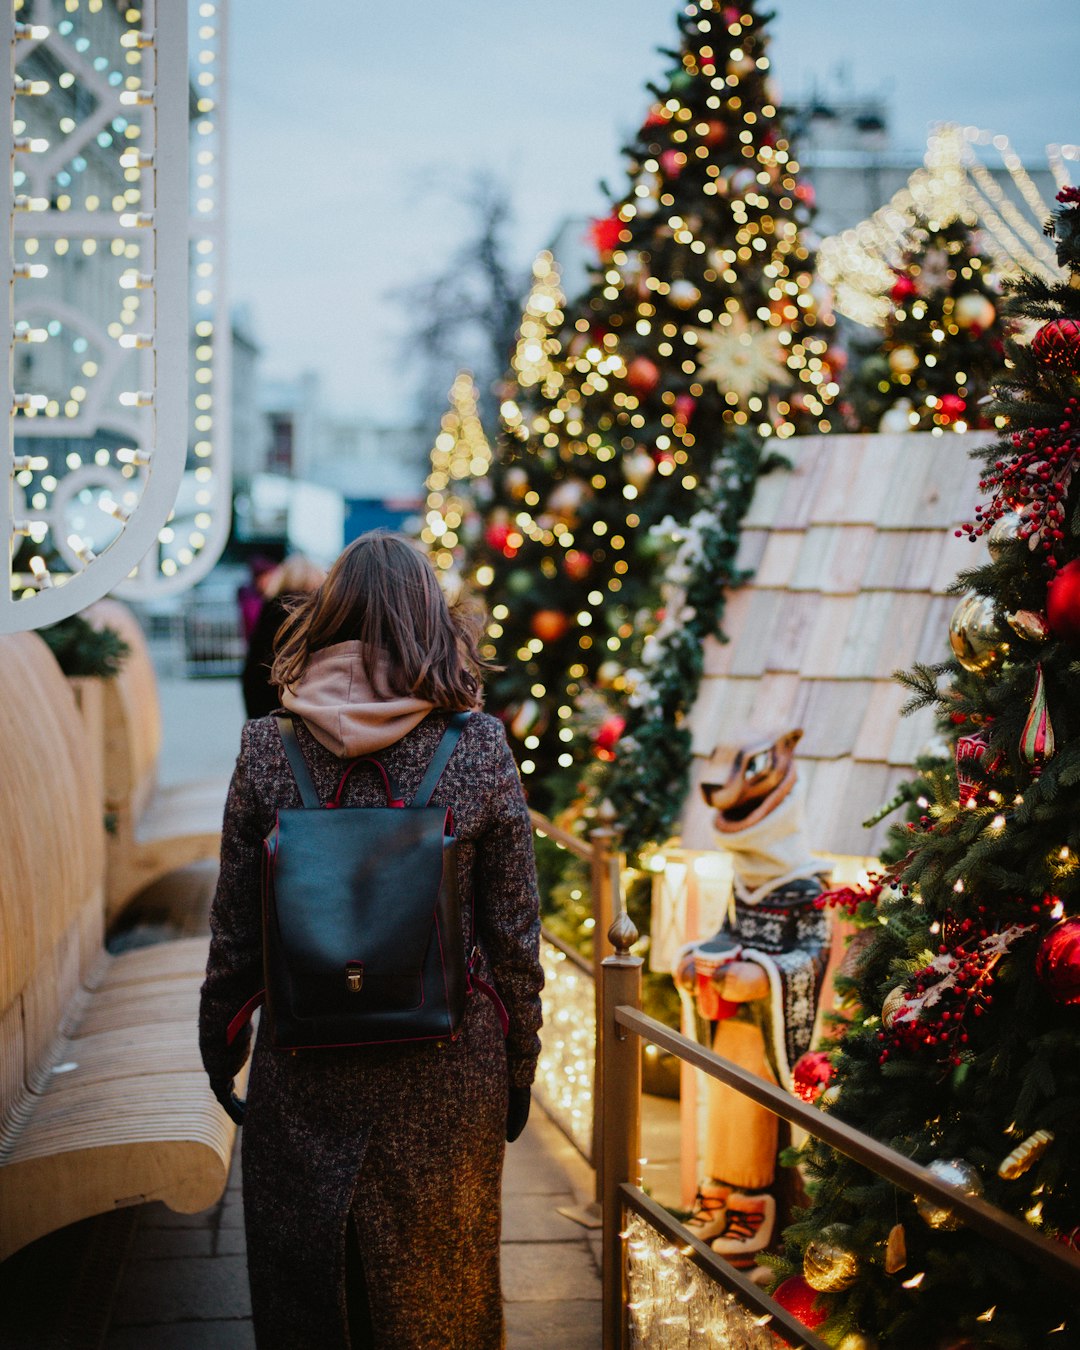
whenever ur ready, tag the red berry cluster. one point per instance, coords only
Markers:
(1035, 482)
(849, 898)
(956, 985)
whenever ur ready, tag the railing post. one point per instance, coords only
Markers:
(618, 1106)
(606, 889)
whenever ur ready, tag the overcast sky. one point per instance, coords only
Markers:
(354, 122)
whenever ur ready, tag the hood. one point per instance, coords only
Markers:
(337, 698)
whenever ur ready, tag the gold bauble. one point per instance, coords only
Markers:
(1028, 624)
(638, 467)
(855, 1340)
(976, 639)
(829, 1263)
(903, 360)
(683, 294)
(955, 1172)
(892, 1005)
(1004, 531)
(974, 310)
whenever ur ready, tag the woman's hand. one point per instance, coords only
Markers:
(234, 1108)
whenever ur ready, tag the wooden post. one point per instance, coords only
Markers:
(606, 891)
(620, 1116)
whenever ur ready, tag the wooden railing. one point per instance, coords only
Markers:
(612, 1139)
(622, 1027)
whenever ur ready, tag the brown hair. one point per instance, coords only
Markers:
(383, 592)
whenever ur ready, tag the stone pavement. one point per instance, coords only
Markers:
(184, 1282)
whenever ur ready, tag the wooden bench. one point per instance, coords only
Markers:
(152, 830)
(103, 1101)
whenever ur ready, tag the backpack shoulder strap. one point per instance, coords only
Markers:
(308, 795)
(441, 758)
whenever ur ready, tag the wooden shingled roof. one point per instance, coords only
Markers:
(851, 550)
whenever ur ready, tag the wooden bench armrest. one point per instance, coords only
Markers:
(124, 1141)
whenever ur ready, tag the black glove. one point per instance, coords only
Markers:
(517, 1112)
(222, 1088)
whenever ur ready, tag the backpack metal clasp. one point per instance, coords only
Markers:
(354, 976)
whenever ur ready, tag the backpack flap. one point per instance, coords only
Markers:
(362, 925)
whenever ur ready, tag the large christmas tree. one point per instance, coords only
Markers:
(962, 1049)
(697, 347)
(942, 344)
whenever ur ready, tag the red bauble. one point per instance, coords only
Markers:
(716, 134)
(642, 375)
(1057, 343)
(806, 194)
(903, 288)
(608, 736)
(811, 1075)
(970, 749)
(684, 408)
(802, 1302)
(496, 535)
(1057, 963)
(576, 564)
(657, 117)
(1063, 602)
(549, 625)
(951, 407)
(604, 234)
(672, 161)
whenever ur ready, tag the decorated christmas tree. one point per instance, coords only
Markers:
(460, 456)
(962, 1048)
(942, 343)
(698, 347)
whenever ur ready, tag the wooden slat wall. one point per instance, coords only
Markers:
(852, 550)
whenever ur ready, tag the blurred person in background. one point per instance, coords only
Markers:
(296, 576)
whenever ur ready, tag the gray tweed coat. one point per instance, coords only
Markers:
(409, 1140)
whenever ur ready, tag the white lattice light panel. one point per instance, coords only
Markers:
(955, 181)
(108, 434)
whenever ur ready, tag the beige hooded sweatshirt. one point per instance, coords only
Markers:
(341, 706)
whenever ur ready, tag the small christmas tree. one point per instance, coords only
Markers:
(460, 456)
(698, 345)
(943, 342)
(962, 1049)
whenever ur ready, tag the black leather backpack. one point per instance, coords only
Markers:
(362, 935)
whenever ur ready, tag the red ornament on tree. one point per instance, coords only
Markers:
(811, 1075)
(657, 117)
(805, 193)
(642, 375)
(1063, 602)
(716, 134)
(684, 408)
(802, 1302)
(903, 288)
(951, 407)
(1057, 343)
(576, 564)
(1057, 963)
(672, 161)
(607, 737)
(604, 234)
(970, 750)
(496, 535)
(549, 625)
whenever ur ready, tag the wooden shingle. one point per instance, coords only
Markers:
(854, 547)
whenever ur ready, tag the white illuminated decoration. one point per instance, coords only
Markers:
(564, 1076)
(954, 182)
(104, 416)
(674, 1306)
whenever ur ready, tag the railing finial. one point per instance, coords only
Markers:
(622, 934)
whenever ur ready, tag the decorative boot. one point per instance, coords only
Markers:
(748, 1227)
(709, 1217)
